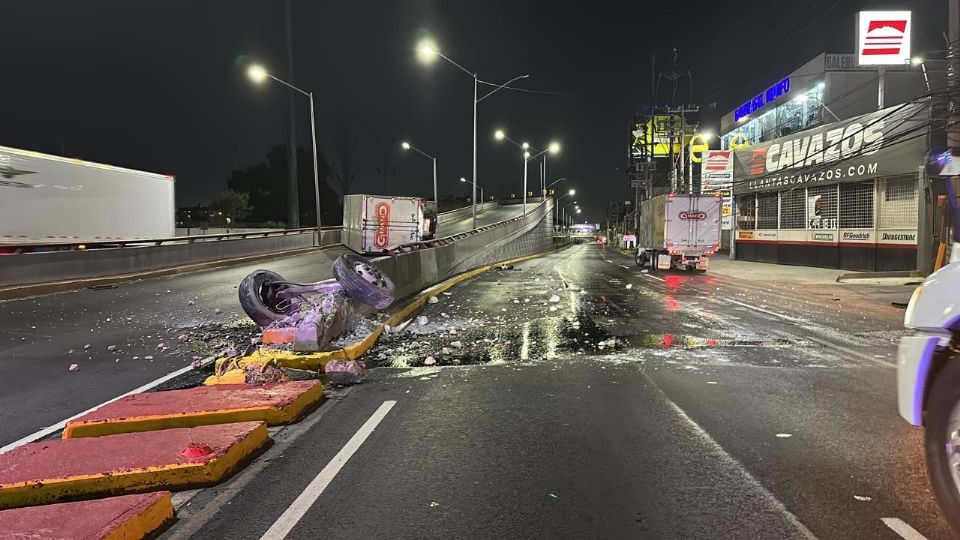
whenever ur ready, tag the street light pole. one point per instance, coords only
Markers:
(407, 146)
(428, 51)
(259, 74)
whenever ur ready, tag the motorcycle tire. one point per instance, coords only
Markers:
(363, 281)
(258, 298)
(943, 402)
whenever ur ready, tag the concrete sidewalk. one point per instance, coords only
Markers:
(784, 273)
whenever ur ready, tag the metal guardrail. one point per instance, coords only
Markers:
(152, 242)
(33, 247)
(436, 242)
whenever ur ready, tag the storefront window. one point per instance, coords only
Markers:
(856, 205)
(822, 207)
(897, 207)
(793, 209)
(746, 212)
(767, 210)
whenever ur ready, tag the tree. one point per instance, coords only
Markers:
(385, 160)
(344, 167)
(266, 185)
(234, 204)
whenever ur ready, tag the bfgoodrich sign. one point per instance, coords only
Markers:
(884, 143)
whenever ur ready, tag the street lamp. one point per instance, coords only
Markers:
(553, 148)
(258, 74)
(428, 52)
(476, 187)
(561, 179)
(408, 146)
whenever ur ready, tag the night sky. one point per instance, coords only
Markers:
(159, 86)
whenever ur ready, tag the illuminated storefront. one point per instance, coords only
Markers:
(842, 195)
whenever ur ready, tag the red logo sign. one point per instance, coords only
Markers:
(718, 161)
(382, 237)
(693, 216)
(759, 163)
(884, 37)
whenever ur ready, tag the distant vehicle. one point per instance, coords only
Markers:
(52, 199)
(678, 231)
(374, 223)
(928, 363)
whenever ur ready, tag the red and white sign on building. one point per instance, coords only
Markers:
(883, 38)
(717, 171)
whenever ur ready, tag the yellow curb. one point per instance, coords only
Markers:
(143, 524)
(137, 480)
(273, 416)
(21, 291)
(318, 360)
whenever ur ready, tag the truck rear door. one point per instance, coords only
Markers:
(692, 223)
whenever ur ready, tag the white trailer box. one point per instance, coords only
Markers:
(51, 199)
(679, 230)
(374, 223)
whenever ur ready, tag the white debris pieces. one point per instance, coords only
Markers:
(74, 367)
(429, 361)
(433, 300)
(554, 299)
(422, 320)
(862, 498)
(629, 285)
(784, 435)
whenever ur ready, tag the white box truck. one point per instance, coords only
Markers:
(374, 223)
(47, 199)
(679, 231)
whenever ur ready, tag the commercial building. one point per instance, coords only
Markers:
(824, 178)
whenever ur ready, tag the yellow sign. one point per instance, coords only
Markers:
(739, 141)
(726, 210)
(745, 235)
(698, 145)
(655, 135)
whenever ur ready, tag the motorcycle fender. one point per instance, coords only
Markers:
(914, 359)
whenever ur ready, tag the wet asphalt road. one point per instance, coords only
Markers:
(41, 337)
(716, 408)
(487, 217)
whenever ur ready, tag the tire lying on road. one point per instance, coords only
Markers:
(363, 281)
(258, 297)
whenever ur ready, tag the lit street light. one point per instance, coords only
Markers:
(428, 52)
(408, 146)
(553, 148)
(258, 74)
(557, 209)
(476, 187)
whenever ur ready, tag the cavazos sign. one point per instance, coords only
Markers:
(883, 143)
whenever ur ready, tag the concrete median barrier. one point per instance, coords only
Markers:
(73, 469)
(27, 269)
(275, 404)
(113, 518)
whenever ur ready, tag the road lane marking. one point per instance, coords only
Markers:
(767, 311)
(61, 424)
(291, 516)
(734, 462)
(900, 527)
(624, 266)
(654, 277)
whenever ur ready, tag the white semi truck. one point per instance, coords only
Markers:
(678, 231)
(47, 199)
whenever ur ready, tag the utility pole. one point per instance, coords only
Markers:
(293, 197)
(953, 72)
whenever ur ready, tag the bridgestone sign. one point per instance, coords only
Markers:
(884, 143)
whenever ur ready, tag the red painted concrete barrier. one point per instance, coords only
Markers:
(275, 404)
(126, 516)
(72, 469)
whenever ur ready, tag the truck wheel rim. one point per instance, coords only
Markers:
(952, 446)
(370, 274)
